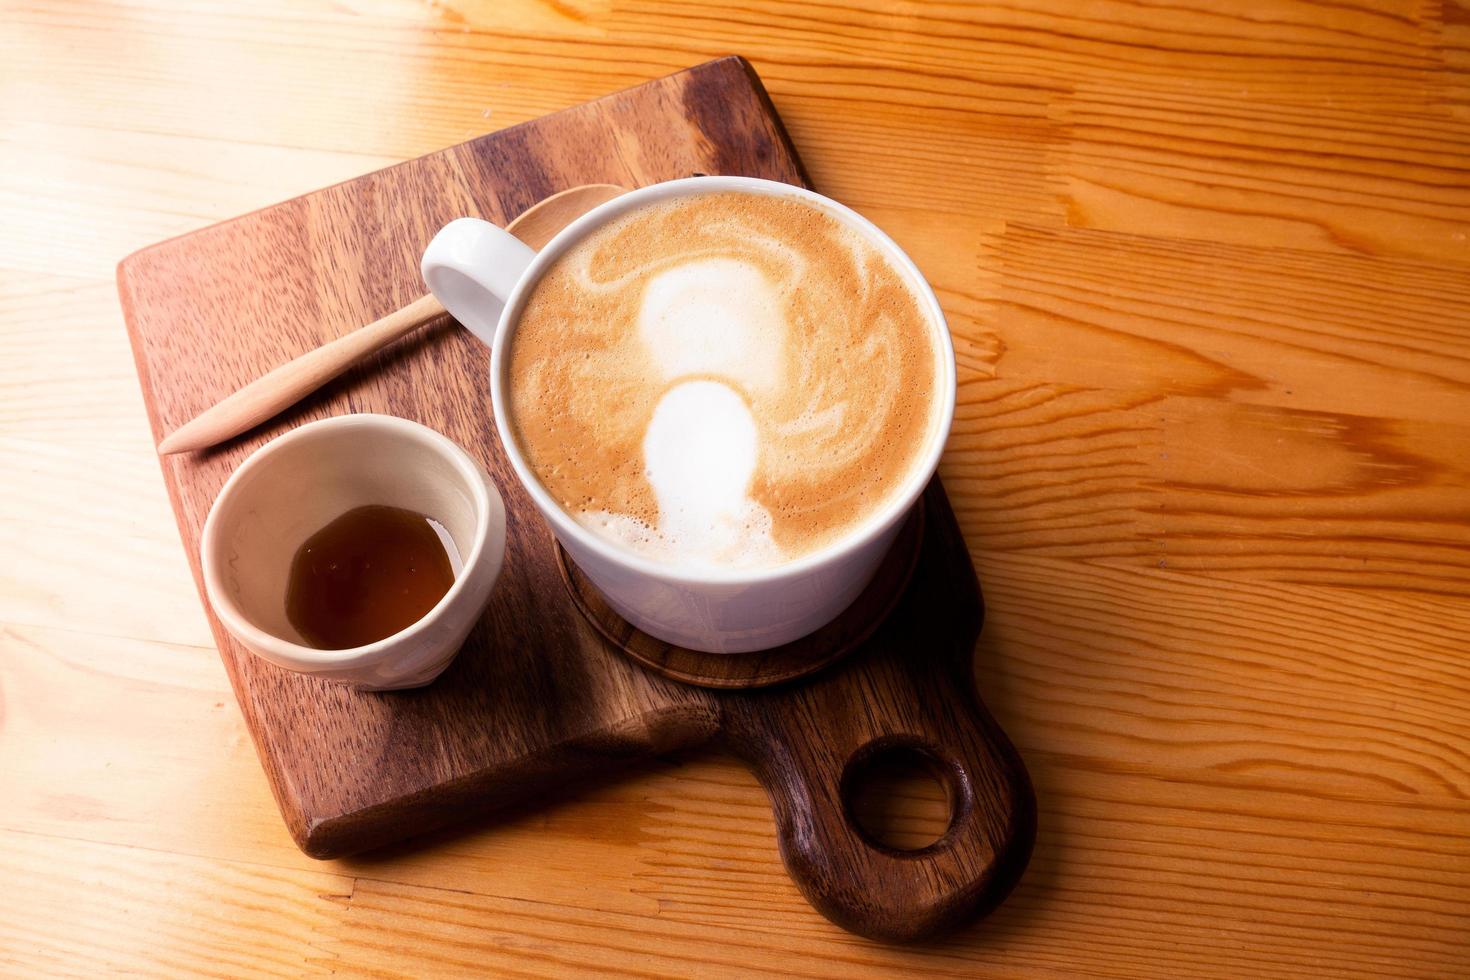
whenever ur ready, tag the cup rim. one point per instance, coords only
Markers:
(886, 516)
(238, 624)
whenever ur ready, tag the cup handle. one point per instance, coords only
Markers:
(472, 267)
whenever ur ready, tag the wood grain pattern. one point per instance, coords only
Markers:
(1251, 758)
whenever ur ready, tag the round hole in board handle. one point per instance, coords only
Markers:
(902, 794)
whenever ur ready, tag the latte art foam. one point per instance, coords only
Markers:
(727, 379)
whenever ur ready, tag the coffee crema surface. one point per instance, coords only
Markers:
(724, 379)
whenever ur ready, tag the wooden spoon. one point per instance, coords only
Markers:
(284, 386)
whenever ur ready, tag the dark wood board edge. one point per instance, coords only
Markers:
(552, 771)
(777, 122)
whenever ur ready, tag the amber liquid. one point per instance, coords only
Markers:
(369, 574)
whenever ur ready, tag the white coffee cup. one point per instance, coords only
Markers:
(483, 276)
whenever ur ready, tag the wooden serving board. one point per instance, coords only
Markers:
(537, 697)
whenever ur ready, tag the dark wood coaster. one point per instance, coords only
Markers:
(761, 668)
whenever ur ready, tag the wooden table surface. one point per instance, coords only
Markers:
(1208, 272)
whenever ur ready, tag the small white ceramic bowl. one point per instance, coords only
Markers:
(293, 486)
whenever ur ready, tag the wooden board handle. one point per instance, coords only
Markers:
(877, 891)
(911, 691)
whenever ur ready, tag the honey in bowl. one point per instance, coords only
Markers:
(370, 573)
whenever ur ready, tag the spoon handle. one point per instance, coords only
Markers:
(294, 380)
(281, 388)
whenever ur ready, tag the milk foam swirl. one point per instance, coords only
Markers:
(728, 379)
